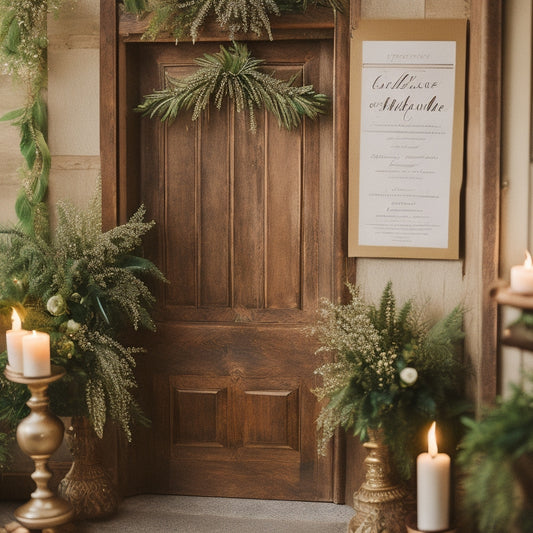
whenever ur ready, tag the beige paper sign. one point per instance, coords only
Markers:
(407, 92)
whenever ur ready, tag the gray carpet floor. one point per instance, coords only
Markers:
(186, 514)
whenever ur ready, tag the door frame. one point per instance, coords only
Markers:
(482, 171)
(117, 201)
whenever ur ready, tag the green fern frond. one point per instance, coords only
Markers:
(372, 346)
(233, 74)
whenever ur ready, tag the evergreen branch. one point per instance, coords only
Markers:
(233, 74)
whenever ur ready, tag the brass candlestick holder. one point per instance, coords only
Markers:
(39, 435)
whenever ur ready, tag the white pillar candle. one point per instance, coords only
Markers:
(433, 487)
(14, 343)
(36, 355)
(522, 277)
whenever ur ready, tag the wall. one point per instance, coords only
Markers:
(73, 101)
(11, 97)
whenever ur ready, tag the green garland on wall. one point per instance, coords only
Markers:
(233, 74)
(180, 18)
(23, 48)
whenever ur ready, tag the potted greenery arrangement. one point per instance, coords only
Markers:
(496, 457)
(85, 288)
(391, 375)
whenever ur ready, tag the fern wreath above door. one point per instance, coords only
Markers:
(233, 74)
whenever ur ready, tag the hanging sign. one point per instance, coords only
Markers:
(407, 91)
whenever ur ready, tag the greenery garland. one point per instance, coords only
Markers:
(234, 74)
(179, 17)
(23, 48)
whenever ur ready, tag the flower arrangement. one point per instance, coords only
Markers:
(85, 288)
(391, 371)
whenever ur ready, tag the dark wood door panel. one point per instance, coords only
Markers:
(207, 349)
(237, 204)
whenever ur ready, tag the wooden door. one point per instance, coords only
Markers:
(244, 235)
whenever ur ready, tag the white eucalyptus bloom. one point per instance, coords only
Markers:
(73, 326)
(56, 305)
(408, 376)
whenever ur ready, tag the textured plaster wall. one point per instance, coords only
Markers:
(73, 101)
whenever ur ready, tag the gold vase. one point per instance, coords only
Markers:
(381, 504)
(87, 485)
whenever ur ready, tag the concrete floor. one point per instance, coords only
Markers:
(186, 514)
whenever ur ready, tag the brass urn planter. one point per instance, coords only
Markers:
(381, 504)
(88, 485)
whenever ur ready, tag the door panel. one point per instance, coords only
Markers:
(239, 217)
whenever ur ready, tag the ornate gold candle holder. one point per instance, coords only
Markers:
(39, 435)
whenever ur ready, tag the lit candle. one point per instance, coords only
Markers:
(522, 276)
(433, 487)
(14, 343)
(36, 355)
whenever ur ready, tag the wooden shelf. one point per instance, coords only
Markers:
(505, 296)
(516, 335)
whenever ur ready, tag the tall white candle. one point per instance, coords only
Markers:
(36, 355)
(14, 343)
(433, 487)
(522, 276)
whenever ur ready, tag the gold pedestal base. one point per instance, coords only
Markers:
(42, 513)
(16, 527)
(39, 435)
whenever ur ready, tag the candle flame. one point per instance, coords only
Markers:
(16, 323)
(528, 263)
(432, 441)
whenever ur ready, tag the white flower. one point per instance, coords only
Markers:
(56, 305)
(73, 326)
(409, 375)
